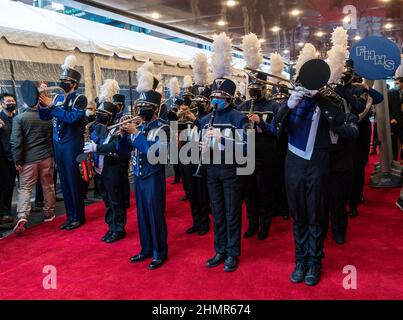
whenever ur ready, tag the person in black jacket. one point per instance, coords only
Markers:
(6, 124)
(395, 97)
(111, 170)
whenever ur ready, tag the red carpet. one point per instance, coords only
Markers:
(90, 269)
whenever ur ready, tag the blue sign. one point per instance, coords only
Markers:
(375, 57)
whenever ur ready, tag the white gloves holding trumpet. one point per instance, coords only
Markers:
(297, 95)
(90, 146)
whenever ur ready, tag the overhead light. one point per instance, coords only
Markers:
(388, 26)
(275, 29)
(320, 34)
(286, 51)
(357, 37)
(155, 15)
(295, 12)
(386, 1)
(231, 3)
(300, 44)
(221, 22)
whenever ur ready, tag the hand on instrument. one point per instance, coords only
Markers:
(90, 146)
(295, 97)
(254, 117)
(45, 100)
(130, 128)
(214, 133)
(191, 116)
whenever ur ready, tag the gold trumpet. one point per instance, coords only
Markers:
(278, 85)
(52, 92)
(126, 119)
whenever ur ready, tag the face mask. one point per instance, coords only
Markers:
(146, 114)
(220, 104)
(10, 107)
(255, 93)
(65, 86)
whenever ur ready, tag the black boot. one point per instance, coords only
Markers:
(298, 275)
(339, 237)
(312, 276)
(252, 229)
(353, 212)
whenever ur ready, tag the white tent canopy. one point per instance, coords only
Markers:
(26, 25)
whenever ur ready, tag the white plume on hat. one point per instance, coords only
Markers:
(338, 54)
(221, 57)
(109, 88)
(187, 81)
(174, 87)
(307, 53)
(251, 47)
(145, 77)
(70, 62)
(200, 69)
(276, 64)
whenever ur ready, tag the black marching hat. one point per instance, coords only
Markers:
(204, 93)
(109, 107)
(256, 75)
(118, 98)
(223, 87)
(151, 97)
(70, 74)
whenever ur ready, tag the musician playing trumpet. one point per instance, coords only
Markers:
(147, 140)
(111, 170)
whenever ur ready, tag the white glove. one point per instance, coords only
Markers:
(90, 146)
(295, 98)
(89, 112)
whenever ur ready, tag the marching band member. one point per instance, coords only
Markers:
(308, 117)
(224, 185)
(150, 186)
(68, 130)
(197, 186)
(119, 101)
(259, 193)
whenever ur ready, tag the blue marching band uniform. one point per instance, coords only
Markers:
(68, 130)
(321, 132)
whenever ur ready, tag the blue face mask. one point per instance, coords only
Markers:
(219, 103)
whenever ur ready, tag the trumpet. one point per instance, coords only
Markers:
(271, 83)
(184, 110)
(126, 119)
(52, 92)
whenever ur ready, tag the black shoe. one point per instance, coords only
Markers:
(399, 204)
(6, 219)
(74, 225)
(286, 216)
(192, 230)
(298, 275)
(263, 233)
(353, 213)
(215, 261)
(339, 238)
(106, 236)
(155, 264)
(312, 276)
(65, 225)
(139, 257)
(203, 230)
(39, 204)
(231, 264)
(361, 200)
(58, 199)
(250, 232)
(115, 237)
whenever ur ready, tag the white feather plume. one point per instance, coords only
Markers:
(145, 82)
(160, 88)
(276, 64)
(70, 62)
(200, 68)
(210, 77)
(221, 57)
(174, 87)
(307, 53)
(187, 81)
(252, 51)
(109, 88)
(340, 37)
(146, 67)
(338, 54)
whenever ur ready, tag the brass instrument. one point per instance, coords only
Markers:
(52, 92)
(124, 120)
(184, 110)
(86, 164)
